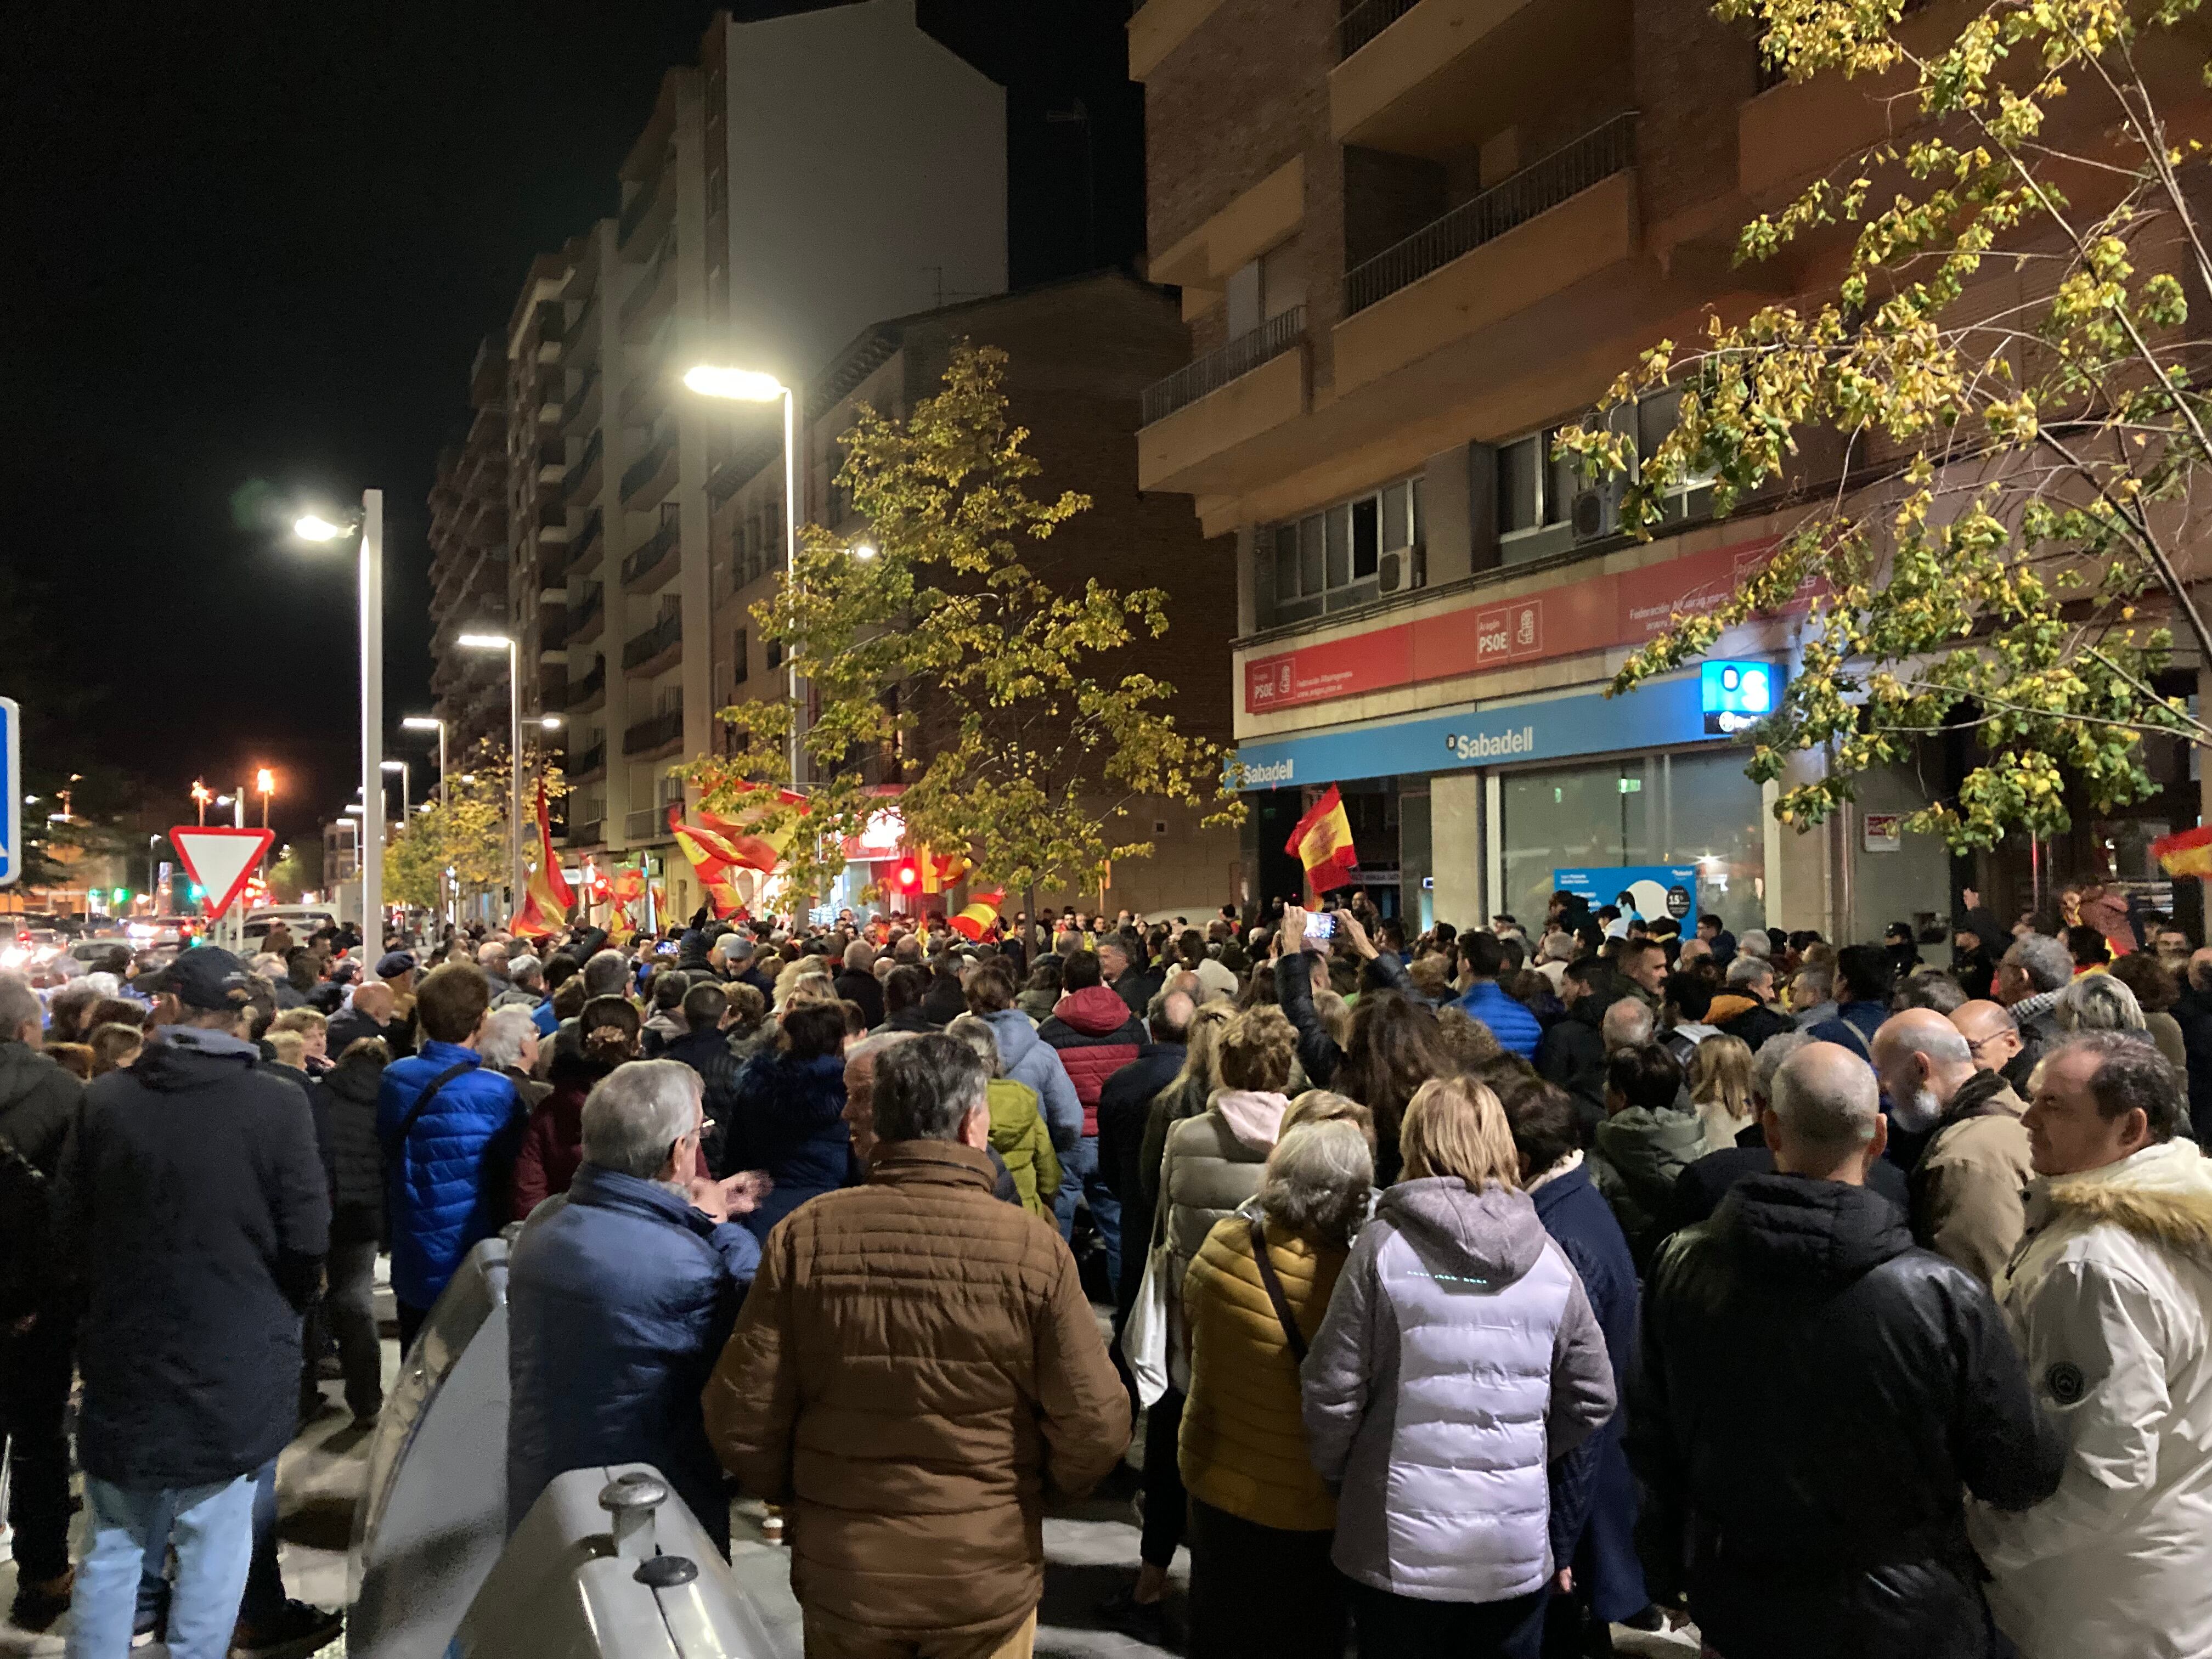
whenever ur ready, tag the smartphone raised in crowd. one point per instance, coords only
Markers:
(1321, 924)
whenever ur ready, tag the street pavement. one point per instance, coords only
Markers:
(1091, 1551)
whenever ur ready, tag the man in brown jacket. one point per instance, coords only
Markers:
(1968, 1185)
(914, 1361)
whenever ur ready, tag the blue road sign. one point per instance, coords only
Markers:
(11, 800)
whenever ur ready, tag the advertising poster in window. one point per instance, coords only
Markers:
(1655, 892)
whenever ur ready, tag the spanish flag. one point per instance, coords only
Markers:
(2185, 853)
(982, 910)
(547, 899)
(1323, 842)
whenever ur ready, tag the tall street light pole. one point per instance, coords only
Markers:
(429, 723)
(751, 386)
(501, 642)
(406, 783)
(370, 528)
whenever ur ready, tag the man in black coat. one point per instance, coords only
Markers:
(1124, 1105)
(2192, 1011)
(38, 1099)
(1825, 1520)
(1573, 1053)
(191, 1206)
(343, 1101)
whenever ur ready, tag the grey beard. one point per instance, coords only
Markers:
(1918, 1113)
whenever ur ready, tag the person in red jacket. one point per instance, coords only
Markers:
(1096, 1036)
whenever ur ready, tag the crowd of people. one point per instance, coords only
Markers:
(1470, 1294)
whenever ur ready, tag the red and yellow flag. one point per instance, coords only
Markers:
(2185, 853)
(982, 912)
(1323, 843)
(548, 900)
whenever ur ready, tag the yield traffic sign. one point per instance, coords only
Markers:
(221, 860)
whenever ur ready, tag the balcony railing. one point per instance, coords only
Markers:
(639, 205)
(652, 555)
(1218, 368)
(644, 647)
(584, 833)
(657, 733)
(574, 406)
(640, 470)
(587, 537)
(646, 823)
(1366, 21)
(578, 473)
(643, 295)
(593, 759)
(1565, 172)
(583, 691)
(552, 631)
(594, 601)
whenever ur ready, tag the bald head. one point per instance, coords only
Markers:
(2200, 969)
(1825, 1118)
(1923, 1062)
(1626, 1024)
(1991, 1037)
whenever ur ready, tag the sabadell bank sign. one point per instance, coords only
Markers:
(1665, 713)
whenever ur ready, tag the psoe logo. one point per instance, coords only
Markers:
(1492, 745)
(1275, 772)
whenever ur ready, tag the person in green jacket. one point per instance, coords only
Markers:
(1018, 1134)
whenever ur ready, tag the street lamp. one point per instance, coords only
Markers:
(310, 527)
(504, 642)
(751, 386)
(265, 785)
(154, 871)
(406, 783)
(429, 723)
(201, 796)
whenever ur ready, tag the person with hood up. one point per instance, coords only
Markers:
(1458, 1359)
(2110, 1293)
(1592, 1495)
(787, 1119)
(343, 1100)
(553, 1144)
(1826, 1520)
(1026, 1057)
(1646, 1141)
(191, 1206)
(1095, 1035)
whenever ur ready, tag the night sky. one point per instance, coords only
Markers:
(254, 248)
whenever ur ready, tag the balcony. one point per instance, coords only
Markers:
(648, 478)
(651, 299)
(653, 205)
(552, 461)
(552, 632)
(586, 833)
(655, 560)
(588, 693)
(1243, 407)
(582, 399)
(1436, 78)
(1216, 369)
(592, 763)
(589, 616)
(646, 823)
(652, 737)
(1566, 172)
(587, 539)
(658, 648)
(584, 475)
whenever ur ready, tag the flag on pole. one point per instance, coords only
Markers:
(939, 874)
(982, 910)
(2185, 853)
(548, 900)
(1323, 843)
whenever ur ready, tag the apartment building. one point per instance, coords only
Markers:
(1079, 354)
(468, 561)
(808, 175)
(1412, 238)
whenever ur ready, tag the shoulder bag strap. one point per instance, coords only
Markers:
(1273, 1285)
(422, 1104)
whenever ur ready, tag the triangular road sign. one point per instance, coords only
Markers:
(221, 860)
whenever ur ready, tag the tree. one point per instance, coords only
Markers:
(1997, 403)
(946, 662)
(467, 831)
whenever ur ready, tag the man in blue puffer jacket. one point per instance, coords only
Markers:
(448, 1163)
(1482, 958)
(621, 1294)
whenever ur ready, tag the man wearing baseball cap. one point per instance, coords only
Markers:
(191, 1206)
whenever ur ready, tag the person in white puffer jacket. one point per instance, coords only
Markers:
(2109, 1295)
(1459, 1357)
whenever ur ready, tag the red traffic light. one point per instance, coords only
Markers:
(909, 876)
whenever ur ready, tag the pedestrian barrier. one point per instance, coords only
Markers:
(609, 1563)
(432, 1520)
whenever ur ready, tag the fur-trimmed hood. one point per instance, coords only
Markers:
(2162, 1195)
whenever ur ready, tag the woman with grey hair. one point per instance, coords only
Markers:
(2099, 1002)
(509, 1044)
(1018, 1134)
(1260, 1519)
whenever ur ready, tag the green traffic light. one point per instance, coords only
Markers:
(122, 896)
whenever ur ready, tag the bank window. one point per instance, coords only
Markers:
(1546, 504)
(1349, 555)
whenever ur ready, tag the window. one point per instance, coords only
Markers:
(1336, 560)
(1546, 505)
(740, 657)
(775, 654)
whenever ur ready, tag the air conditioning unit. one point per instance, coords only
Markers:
(1403, 571)
(1596, 513)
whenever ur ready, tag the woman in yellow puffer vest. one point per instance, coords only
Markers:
(1260, 1520)
(1018, 1134)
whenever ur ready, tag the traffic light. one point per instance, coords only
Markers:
(909, 875)
(196, 891)
(95, 896)
(122, 896)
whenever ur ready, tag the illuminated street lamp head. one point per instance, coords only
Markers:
(355, 806)
(395, 766)
(264, 782)
(747, 386)
(484, 641)
(312, 528)
(552, 722)
(422, 723)
(864, 551)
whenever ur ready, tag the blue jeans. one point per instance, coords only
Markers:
(263, 1604)
(212, 1528)
(1079, 1168)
